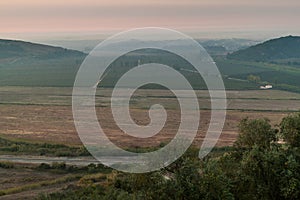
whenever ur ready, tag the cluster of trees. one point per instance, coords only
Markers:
(253, 78)
(263, 164)
(61, 167)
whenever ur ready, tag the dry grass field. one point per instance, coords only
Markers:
(45, 114)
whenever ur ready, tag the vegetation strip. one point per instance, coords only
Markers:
(32, 186)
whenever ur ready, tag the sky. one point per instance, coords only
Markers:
(213, 17)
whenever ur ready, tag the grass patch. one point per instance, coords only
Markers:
(17, 146)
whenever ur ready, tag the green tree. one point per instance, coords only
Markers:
(290, 129)
(253, 78)
(255, 132)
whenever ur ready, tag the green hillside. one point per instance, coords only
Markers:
(281, 76)
(18, 49)
(276, 62)
(29, 64)
(270, 51)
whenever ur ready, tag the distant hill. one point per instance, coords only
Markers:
(275, 62)
(231, 45)
(284, 48)
(30, 64)
(14, 48)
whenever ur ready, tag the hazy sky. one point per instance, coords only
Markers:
(44, 16)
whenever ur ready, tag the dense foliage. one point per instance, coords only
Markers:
(257, 167)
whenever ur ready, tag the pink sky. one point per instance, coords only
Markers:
(41, 16)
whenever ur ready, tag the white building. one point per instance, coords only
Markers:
(266, 87)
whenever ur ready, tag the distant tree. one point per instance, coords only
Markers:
(253, 78)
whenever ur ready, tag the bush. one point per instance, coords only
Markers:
(6, 165)
(59, 165)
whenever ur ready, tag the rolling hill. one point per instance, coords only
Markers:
(20, 49)
(29, 64)
(283, 48)
(276, 61)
